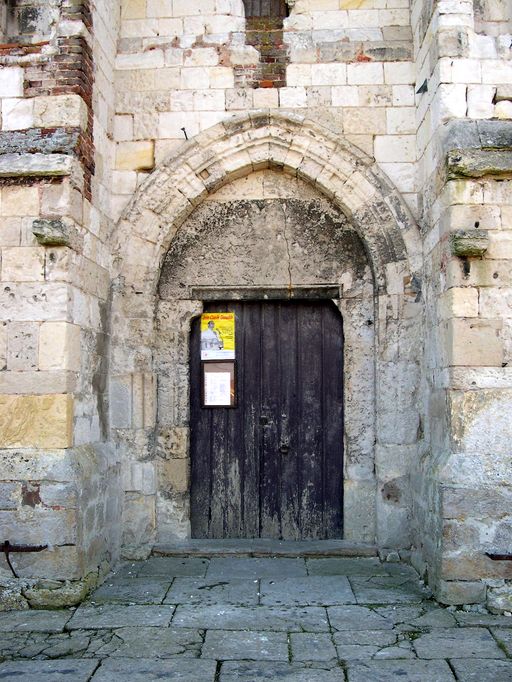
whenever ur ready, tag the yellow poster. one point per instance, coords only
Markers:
(218, 336)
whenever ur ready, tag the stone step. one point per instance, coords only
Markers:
(266, 548)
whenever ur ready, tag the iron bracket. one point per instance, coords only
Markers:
(7, 549)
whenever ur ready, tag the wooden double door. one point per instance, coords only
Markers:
(272, 467)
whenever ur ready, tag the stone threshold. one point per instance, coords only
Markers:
(266, 548)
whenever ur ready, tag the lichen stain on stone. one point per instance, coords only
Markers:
(262, 242)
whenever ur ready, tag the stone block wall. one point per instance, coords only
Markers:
(93, 100)
(58, 479)
(463, 148)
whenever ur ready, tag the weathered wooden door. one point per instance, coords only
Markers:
(272, 467)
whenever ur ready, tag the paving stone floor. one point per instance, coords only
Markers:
(229, 619)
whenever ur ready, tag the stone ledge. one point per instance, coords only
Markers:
(35, 165)
(477, 163)
(464, 135)
(43, 140)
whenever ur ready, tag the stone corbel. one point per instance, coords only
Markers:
(471, 243)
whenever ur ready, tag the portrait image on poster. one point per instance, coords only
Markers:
(218, 336)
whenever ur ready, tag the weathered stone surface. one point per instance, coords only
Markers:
(306, 646)
(154, 642)
(388, 671)
(469, 243)
(52, 671)
(55, 233)
(143, 670)
(237, 591)
(482, 670)
(171, 567)
(132, 591)
(478, 163)
(460, 592)
(258, 646)
(255, 568)
(385, 591)
(499, 599)
(233, 672)
(308, 619)
(38, 165)
(345, 566)
(353, 618)
(69, 594)
(451, 643)
(36, 421)
(35, 140)
(313, 591)
(34, 621)
(99, 617)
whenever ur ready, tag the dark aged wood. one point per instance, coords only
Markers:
(265, 8)
(273, 466)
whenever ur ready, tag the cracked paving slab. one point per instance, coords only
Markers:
(237, 591)
(252, 672)
(117, 616)
(147, 670)
(292, 619)
(227, 568)
(310, 591)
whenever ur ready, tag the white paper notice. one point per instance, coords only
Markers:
(217, 389)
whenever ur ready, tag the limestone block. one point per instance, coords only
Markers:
(473, 565)
(43, 421)
(23, 264)
(365, 74)
(173, 475)
(209, 100)
(293, 97)
(22, 344)
(474, 342)
(11, 81)
(298, 74)
(124, 182)
(480, 101)
(328, 74)
(133, 9)
(3, 347)
(402, 95)
(503, 110)
(159, 8)
(460, 592)
(37, 526)
(399, 73)
(173, 442)
(195, 78)
(345, 96)
(19, 201)
(266, 98)
(135, 155)
(359, 510)
(496, 72)
(171, 124)
(401, 121)
(459, 302)
(396, 148)
(138, 519)
(17, 114)
(365, 121)
(500, 245)
(221, 77)
(59, 346)
(153, 59)
(139, 477)
(201, 56)
(402, 175)
(123, 128)
(60, 110)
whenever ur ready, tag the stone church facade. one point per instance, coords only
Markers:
(158, 155)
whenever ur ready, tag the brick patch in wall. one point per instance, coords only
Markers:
(265, 34)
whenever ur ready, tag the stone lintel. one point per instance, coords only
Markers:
(327, 291)
(35, 165)
(477, 163)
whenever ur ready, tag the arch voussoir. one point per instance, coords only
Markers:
(293, 143)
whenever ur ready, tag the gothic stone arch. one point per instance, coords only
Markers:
(151, 427)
